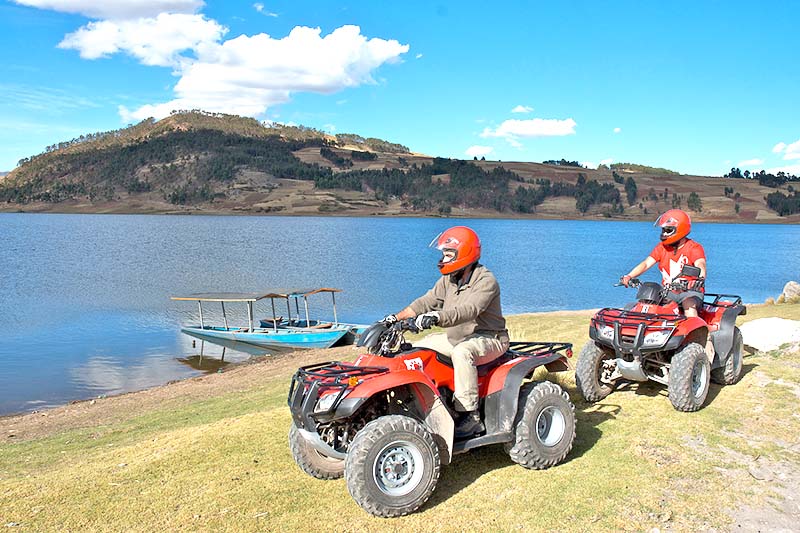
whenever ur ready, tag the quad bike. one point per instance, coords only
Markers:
(384, 422)
(652, 340)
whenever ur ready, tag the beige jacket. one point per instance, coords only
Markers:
(474, 307)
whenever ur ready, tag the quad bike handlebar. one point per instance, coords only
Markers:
(387, 339)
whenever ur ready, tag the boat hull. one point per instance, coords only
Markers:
(282, 338)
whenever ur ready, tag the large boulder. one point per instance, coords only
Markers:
(765, 334)
(791, 292)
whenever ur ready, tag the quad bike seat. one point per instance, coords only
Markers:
(482, 369)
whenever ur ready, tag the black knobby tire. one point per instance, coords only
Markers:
(310, 460)
(689, 378)
(545, 426)
(392, 466)
(731, 371)
(587, 372)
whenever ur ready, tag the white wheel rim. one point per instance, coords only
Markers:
(398, 468)
(699, 379)
(550, 426)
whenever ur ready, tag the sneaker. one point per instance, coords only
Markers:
(469, 425)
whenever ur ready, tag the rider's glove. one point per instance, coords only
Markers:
(427, 320)
(389, 319)
(625, 280)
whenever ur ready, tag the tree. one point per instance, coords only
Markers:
(630, 190)
(694, 202)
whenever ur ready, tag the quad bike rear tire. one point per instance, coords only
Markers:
(588, 371)
(545, 426)
(731, 371)
(310, 460)
(392, 466)
(689, 378)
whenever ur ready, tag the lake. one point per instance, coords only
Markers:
(85, 308)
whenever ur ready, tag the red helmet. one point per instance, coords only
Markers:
(463, 245)
(675, 224)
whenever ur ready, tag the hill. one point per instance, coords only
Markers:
(197, 162)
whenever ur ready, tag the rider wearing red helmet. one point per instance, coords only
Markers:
(673, 252)
(465, 301)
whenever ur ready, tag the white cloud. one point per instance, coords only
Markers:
(778, 148)
(418, 56)
(260, 8)
(329, 127)
(247, 75)
(617, 130)
(536, 127)
(792, 151)
(522, 109)
(153, 41)
(606, 162)
(589, 164)
(750, 163)
(478, 151)
(116, 9)
(789, 169)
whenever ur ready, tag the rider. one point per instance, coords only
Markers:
(465, 301)
(673, 252)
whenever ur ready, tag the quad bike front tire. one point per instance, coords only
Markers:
(545, 426)
(589, 370)
(689, 378)
(392, 466)
(310, 460)
(731, 371)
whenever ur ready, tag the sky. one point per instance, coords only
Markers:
(694, 86)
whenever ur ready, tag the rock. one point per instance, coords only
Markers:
(791, 292)
(765, 334)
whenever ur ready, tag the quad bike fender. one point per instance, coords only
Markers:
(723, 337)
(502, 399)
(436, 416)
(693, 328)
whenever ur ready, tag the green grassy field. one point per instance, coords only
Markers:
(223, 463)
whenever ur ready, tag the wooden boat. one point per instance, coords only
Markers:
(267, 337)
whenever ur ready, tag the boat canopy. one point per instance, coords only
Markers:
(252, 296)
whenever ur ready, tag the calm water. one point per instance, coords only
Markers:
(85, 308)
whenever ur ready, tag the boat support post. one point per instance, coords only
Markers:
(200, 305)
(250, 315)
(274, 316)
(305, 302)
(335, 318)
(224, 316)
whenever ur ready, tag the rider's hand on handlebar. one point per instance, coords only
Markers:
(696, 284)
(389, 319)
(427, 320)
(625, 280)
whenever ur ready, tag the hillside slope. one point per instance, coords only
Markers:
(196, 162)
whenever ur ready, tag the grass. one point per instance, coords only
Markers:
(223, 463)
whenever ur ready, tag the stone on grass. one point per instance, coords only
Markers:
(791, 292)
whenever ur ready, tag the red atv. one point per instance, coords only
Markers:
(652, 340)
(385, 421)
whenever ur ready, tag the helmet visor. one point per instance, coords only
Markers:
(448, 248)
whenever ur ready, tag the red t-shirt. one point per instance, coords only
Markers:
(671, 261)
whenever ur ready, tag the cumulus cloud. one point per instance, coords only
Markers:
(606, 162)
(589, 164)
(478, 151)
(418, 56)
(751, 162)
(536, 127)
(155, 41)
(789, 169)
(522, 109)
(792, 151)
(118, 9)
(617, 130)
(778, 148)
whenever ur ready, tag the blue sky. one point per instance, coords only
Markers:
(697, 87)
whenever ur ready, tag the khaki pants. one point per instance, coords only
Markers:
(475, 350)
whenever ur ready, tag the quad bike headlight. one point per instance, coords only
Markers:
(656, 338)
(325, 403)
(606, 332)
